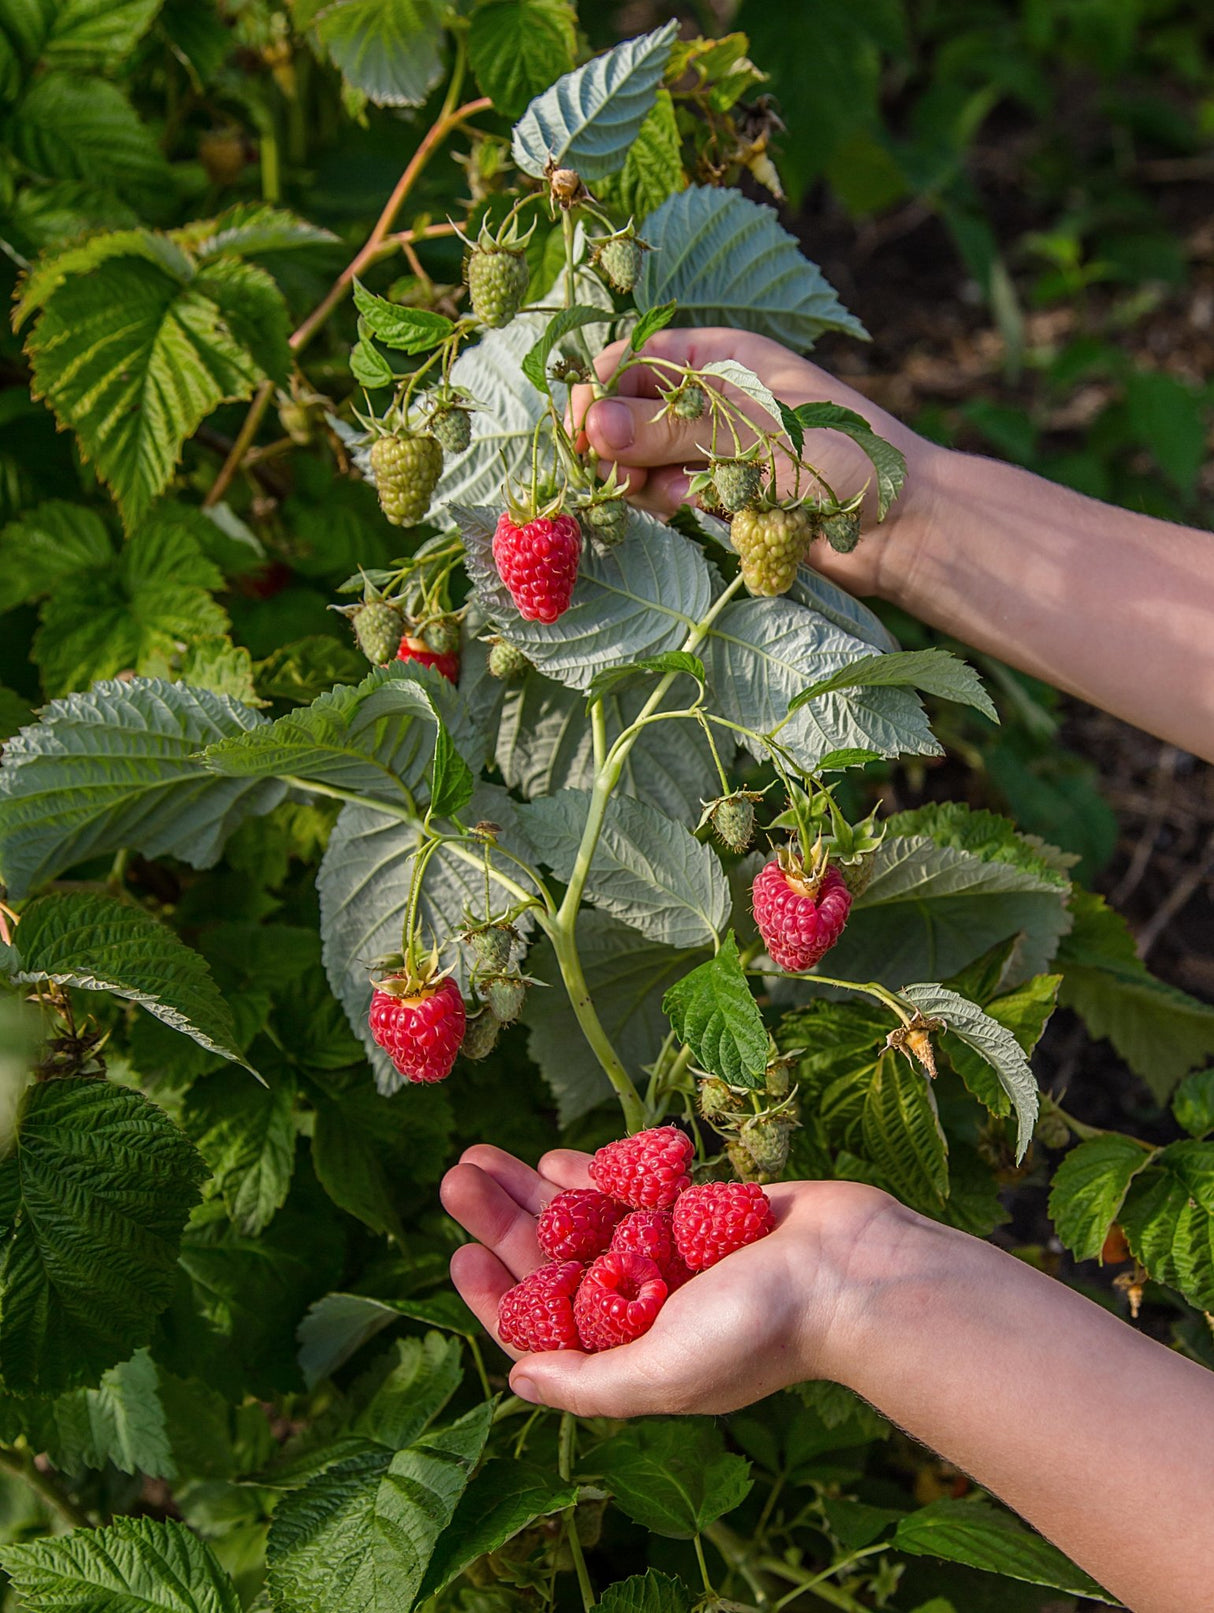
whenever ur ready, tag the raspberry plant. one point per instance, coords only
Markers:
(222, 831)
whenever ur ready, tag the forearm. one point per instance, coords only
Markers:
(1109, 605)
(1099, 1437)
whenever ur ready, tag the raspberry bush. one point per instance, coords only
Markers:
(382, 780)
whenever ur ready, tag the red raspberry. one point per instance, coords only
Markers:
(414, 649)
(646, 1172)
(577, 1225)
(537, 1314)
(651, 1233)
(421, 1034)
(712, 1221)
(619, 1299)
(538, 563)
(799, 919)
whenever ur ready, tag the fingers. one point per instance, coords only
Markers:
(566, 1167)
(627, 1382)
(524, 1185)
(493, 1217)
(481, 1280)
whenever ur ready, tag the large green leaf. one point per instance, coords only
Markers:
(934, 671)
(626, 976)
(888, 462)
(973, 1532)
(340, 1324)
(517, 48)
(1089, 1189)
(389, 50)
(73, 126)
(725, 261)
(714, 1013)
(673, 1476)
(1168, 1218)
(97, 943)
(246, 1133)
(650, 1592)
(116, 768)
(504, 1497)
(902, 1133)
(1025, 1012)
(589, 118)
(49, 544)
(131, 1565)
(653, 168)
(121, 1421)
(647, 870)
(89, 33)
(135, 344)
(83, 1274)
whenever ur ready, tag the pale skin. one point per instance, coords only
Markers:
(1098, 1436)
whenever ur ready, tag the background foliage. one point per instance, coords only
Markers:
(1008, 196)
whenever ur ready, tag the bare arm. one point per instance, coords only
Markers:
(1100, 1437)
(1115, 607)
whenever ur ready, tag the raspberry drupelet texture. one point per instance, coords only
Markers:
(618, 1300)
(416, 649)
(712, 1221)
(577, 1225)
(538, 563)
(537, 1314)
(647, 1171)
(421, 1033)
(651, 1233)
(799, 928)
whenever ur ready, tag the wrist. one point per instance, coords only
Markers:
(903, 542)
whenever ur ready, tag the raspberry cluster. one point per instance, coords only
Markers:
(617, 1250)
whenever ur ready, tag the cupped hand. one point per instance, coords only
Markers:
(767, 1316)
(656, 455)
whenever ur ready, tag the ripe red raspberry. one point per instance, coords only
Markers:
(619, 1299)
(712, 1221)
(538, 563)
(415, 649)
(646, 1172)
(537, 1314)
(421, 1033)
(651, 1233)
(577, 1225)
(799, 919)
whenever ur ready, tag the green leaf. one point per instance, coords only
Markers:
(650, 1592)
(1169, 417)
(251, 230)
(95, 33)
(535, 365)
(504, 1497)
(340, 1324)
(673, 1476)
(83, 1276)
(626, 977)
(1168, 1220)
(308, 667)
(1159, 1031)
(73, 126)
(388, 50)
(115, 768)
(452, 785)
(647, 870)
(745, 381)
(131, 1565)
(1025, 1012)
(1193, 1103)
(121, 1421)
(902, 1133)
(650, 323)
(936, 672)
(973, 1532)
(1089, 1189)
(97, 943)
(368, 365)
(517, 47)
(47, 545)
(246, 1134)
(713, 1012)
(590, 117)
(135, 346)
(670, 661)
(724, 260)
(362, 1533)
(994, 1042)
(405, 330)
(653, 168)
(888, 462)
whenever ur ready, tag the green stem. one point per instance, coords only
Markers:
(816, 1582)
(565, 1455)
(870, 988)
(479, 1361)
(570, 964)
(704, 1574)
(21, 1464)
(407, 814)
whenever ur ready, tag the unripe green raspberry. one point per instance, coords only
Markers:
(480, 1035)
(492, 944)
(761, 1151)
(620, 260)
(507, 662)
(443, 635)
(738, 482)
(406, 470)
(689, 402)
(377, 628)
(608, 521)
(842, 531)
(717, 1101)
(858, 875)
(505, 995)
(451, 429)
(733, 818)
(497, 284)
(771, 545)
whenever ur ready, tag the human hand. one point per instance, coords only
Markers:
(656, 455)
(777, 1312)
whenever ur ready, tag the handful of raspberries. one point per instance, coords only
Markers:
(618, 1249)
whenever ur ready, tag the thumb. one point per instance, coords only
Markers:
(624, 430)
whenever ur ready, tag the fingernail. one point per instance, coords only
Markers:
(611, 423)
(678, 489)
(525, 1390)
